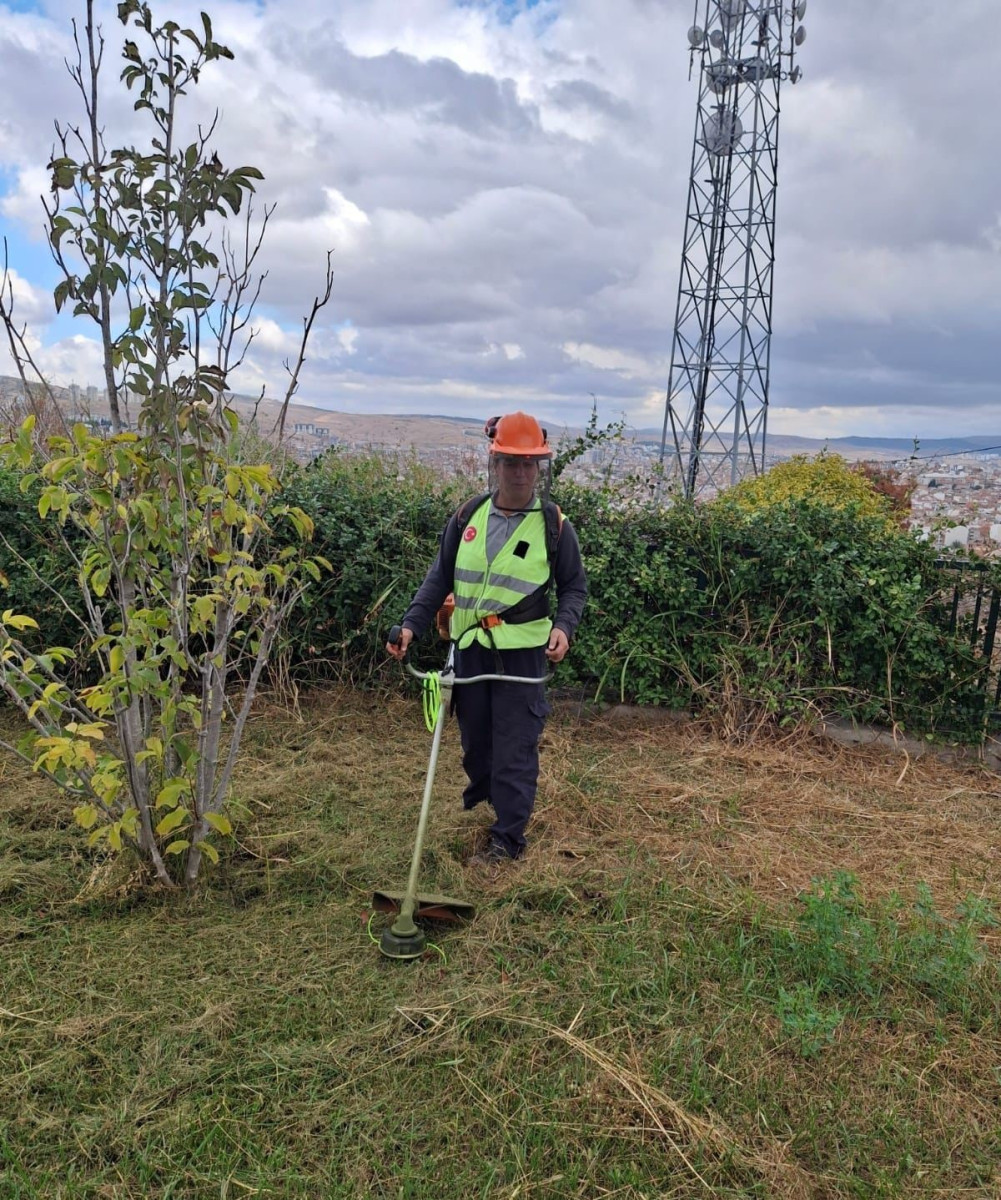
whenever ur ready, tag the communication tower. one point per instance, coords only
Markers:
(717, 394)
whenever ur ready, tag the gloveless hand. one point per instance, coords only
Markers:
(558, 646)
(399, 651)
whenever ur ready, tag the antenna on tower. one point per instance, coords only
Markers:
(715, 417)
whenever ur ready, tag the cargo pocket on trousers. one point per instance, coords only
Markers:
(538, 710)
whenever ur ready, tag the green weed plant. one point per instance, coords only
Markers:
(845, 956)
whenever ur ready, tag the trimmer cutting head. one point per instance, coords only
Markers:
(430, 907)
(402, 945)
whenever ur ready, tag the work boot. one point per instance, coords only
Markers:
(492, 855)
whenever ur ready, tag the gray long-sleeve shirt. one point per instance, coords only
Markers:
(568, 573)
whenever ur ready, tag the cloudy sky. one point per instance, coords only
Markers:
(503, 184)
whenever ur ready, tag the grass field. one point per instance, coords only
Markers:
(768, 970)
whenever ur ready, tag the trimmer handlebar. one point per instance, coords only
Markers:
(396, 633)
(480, 678)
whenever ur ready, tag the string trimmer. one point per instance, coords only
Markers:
(403, 939)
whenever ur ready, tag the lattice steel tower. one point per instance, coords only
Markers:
(717, 392)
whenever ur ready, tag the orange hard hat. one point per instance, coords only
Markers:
(518, 433)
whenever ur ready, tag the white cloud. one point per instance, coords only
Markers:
(931, 282)
(22, 202)
(505, 198)
(271, 338)
(607, 359)
(31, 305)
(75, 359)
(348, 338)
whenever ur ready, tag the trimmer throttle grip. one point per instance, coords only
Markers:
(395, 635)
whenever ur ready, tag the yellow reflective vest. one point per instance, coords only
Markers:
(485, 591)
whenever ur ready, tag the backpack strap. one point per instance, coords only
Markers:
(467, 508)
(554, 527)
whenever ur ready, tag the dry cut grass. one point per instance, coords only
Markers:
(776, 813)
(610, 1024)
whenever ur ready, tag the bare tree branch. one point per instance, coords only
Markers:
(307, 323)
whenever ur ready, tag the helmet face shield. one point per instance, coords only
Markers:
(507, 473)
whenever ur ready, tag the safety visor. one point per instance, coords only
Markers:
(518, 460)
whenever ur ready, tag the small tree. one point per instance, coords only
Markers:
(572, 449)
(891, 483)
(183, 585)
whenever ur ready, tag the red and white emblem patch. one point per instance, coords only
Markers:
(469, 534)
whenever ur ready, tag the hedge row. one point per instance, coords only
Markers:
(754, 616)
(36, 573)
(769, 614)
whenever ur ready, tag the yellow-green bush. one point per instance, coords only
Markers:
(826, 479)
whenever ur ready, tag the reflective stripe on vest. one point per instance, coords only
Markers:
(485, 589)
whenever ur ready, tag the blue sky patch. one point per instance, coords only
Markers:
(506, 10)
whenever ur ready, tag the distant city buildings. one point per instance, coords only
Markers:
(956, 502)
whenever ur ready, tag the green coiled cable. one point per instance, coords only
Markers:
(431, 697)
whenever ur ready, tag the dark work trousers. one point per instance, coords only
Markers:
(500, 724)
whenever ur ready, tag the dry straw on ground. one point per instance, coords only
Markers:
(528, 1030)
(772, 814)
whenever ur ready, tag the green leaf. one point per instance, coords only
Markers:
(100, 579)
(175, 818)
(177, 847)
(210, 851)
(93, 731)
(18, 621)
(63, 290)
(169, 793)
(219, 822)
(86, 815)
(204, 608)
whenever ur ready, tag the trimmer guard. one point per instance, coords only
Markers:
(430, 907)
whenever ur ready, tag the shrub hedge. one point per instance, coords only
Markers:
(752, 616)
(36, 573)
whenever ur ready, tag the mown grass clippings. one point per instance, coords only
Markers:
(610, 1024)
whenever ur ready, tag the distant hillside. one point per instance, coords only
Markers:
(897, 447)
(862, 447)
(427, 430)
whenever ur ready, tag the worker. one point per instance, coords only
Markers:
(498, 556)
